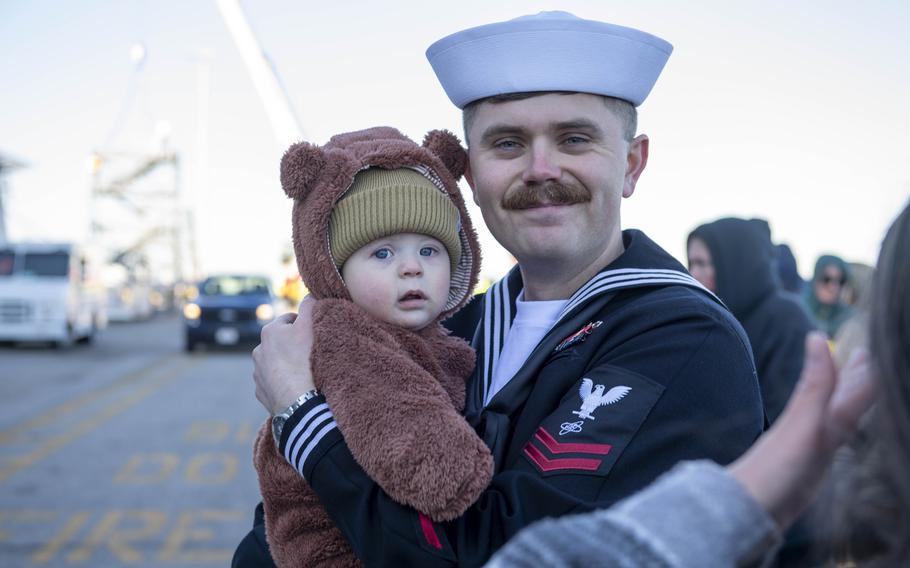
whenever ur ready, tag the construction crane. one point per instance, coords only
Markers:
(282, 117)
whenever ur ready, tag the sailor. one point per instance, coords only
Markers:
(601, 361)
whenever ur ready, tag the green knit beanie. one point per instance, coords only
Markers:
(385, 202)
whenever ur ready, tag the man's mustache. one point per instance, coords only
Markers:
(553, 193)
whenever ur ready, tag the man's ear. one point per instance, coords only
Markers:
(636, 160)
(469, 177)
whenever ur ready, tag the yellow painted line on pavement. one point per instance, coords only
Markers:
(92, 422)
(55, 413)
(119, 540)
(74, 524)
(187, 531)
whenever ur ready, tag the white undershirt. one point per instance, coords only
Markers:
(532, 321)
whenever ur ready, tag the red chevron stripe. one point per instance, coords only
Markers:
(547, 464)
(429, 532)
(567, 448)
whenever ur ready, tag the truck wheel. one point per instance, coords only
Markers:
(68, 341)
(89, 338)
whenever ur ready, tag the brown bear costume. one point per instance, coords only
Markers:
(396, 394)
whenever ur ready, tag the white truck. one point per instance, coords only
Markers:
(49, 292)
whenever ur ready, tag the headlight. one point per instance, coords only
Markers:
(192, 311)
(265, 312)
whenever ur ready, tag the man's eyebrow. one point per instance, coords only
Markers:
(580, 124)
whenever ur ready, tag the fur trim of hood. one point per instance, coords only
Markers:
(316, 177)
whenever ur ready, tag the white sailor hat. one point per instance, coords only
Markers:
(549, 51)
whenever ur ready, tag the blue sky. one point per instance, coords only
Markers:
(793, 111)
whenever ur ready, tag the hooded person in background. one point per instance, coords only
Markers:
(787, 270)
(823, 295)
(734, 259)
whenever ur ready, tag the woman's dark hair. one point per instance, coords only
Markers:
(876, 529)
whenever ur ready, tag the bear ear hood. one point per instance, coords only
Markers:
(316, 177)
(300, 168)
(447, 148)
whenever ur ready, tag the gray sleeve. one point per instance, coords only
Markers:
(695, 515)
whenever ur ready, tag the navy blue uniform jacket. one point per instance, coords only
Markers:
(643, 369)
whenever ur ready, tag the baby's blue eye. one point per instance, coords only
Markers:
(382, 253)
(428, 251)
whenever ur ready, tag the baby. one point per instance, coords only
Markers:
(385, 245)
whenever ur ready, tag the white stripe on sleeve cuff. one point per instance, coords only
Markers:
(315, 424)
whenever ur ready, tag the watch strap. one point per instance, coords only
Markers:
(279, 420)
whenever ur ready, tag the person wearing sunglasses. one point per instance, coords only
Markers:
(823, 297)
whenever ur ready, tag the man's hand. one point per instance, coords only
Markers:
(785, 467)
(281, 363)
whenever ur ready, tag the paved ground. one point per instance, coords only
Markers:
(127, 452)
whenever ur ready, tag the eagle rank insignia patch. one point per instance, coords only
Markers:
(592, 398)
